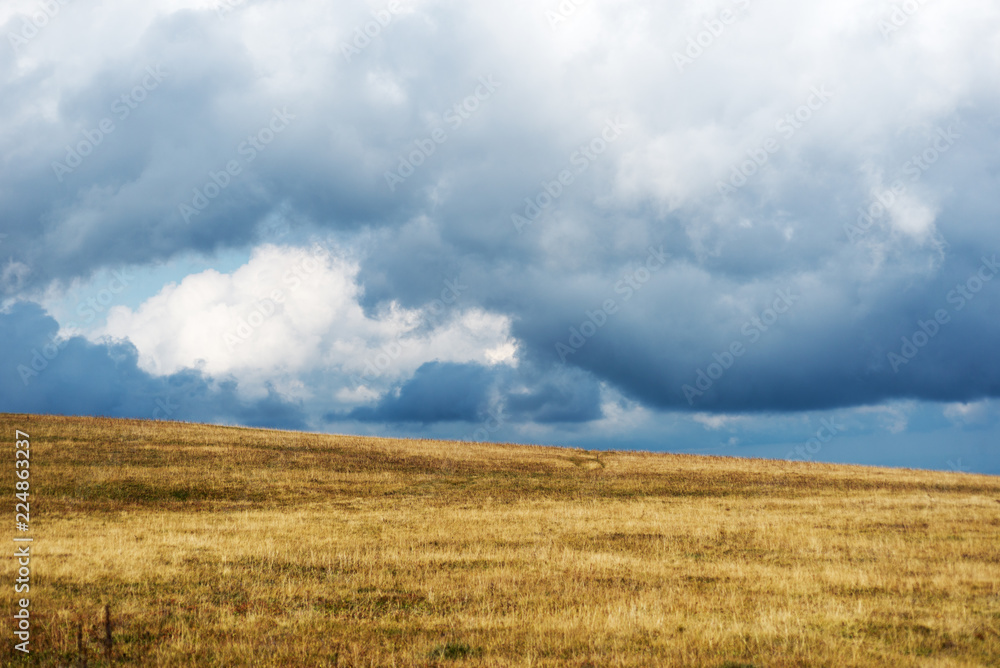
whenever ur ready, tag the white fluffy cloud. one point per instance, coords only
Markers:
(705, 90)
(976, 413)
(290, 311)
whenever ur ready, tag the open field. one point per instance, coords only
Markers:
(225, 547)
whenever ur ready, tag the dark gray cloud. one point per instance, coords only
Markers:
(43, 373)
(568, 398)
(438, 392)
(450, 392)
(751, 182)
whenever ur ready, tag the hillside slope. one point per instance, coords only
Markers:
(225, 546)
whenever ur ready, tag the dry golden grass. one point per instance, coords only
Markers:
(226, 547)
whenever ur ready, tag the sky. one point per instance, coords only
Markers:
(754, 228)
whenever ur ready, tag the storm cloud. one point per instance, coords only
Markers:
(51, 374)
(619, 216)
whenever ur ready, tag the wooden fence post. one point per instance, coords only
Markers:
(81, 649)
(107, 632)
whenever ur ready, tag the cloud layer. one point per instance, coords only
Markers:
(567, 214)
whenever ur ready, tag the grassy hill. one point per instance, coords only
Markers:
(223, 546)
